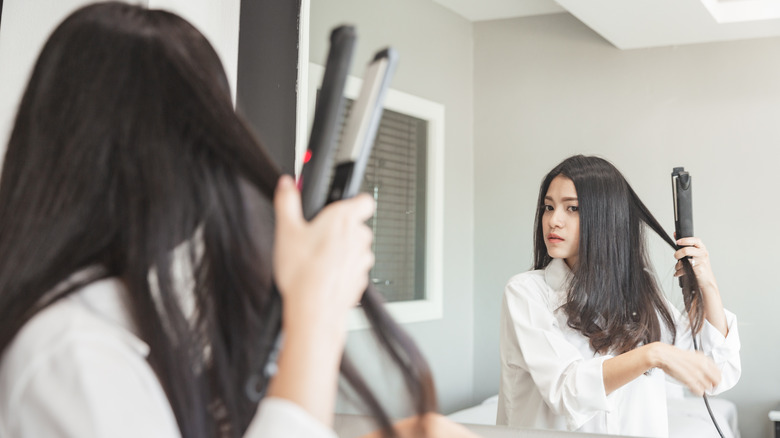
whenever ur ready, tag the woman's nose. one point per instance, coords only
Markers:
(555, 219)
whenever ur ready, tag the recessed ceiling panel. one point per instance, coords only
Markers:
(630, 24)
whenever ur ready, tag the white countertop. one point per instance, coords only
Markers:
(352, 426)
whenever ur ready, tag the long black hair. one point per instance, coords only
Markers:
(613, 298)
(125, 147)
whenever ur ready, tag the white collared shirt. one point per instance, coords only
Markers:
(77, 369)
(552, 379)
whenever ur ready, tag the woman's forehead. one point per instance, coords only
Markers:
(561, 187)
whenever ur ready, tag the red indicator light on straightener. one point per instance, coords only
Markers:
(306, 159)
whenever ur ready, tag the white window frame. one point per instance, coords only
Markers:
(431, 307)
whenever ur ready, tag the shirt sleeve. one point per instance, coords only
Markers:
(99, 386)
(570, 384)
(90, 387)
(723, 350)
(280, 418)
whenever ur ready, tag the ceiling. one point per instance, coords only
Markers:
(632, 24)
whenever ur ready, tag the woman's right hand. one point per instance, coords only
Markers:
(691, 368)
(321, 267)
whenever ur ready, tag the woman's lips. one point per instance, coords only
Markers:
(554, 238)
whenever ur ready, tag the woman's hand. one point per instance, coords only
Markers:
(691, 368)
(428, 426)
(321, 269)
(700, 261)
(321, 266)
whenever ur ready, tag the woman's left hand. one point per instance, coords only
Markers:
(700, 261)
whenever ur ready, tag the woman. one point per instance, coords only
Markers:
(134, 300)
(587, 338)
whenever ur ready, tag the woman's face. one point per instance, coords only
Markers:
(561, 221)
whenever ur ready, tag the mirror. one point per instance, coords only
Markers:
(523, 93)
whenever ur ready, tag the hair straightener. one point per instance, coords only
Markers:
(328, 112)
(360, 130)
(683, 203)
(683, 227)
(352, 155)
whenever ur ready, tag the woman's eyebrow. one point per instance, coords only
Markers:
(567, 199)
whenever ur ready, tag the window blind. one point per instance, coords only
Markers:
(396, 176)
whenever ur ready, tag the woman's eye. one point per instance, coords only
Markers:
(574, 208)
(548, 207)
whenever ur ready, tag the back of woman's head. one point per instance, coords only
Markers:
(125, 143)
(126, 137)
(127, 117)
(613, 298)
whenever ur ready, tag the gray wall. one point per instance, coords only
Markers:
(436, 51)
(268, 73)
(547, 87)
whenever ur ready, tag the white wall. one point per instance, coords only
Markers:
(27, 24)
(435, 49)
(548, 87)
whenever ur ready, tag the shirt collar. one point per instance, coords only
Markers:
(558, 275)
